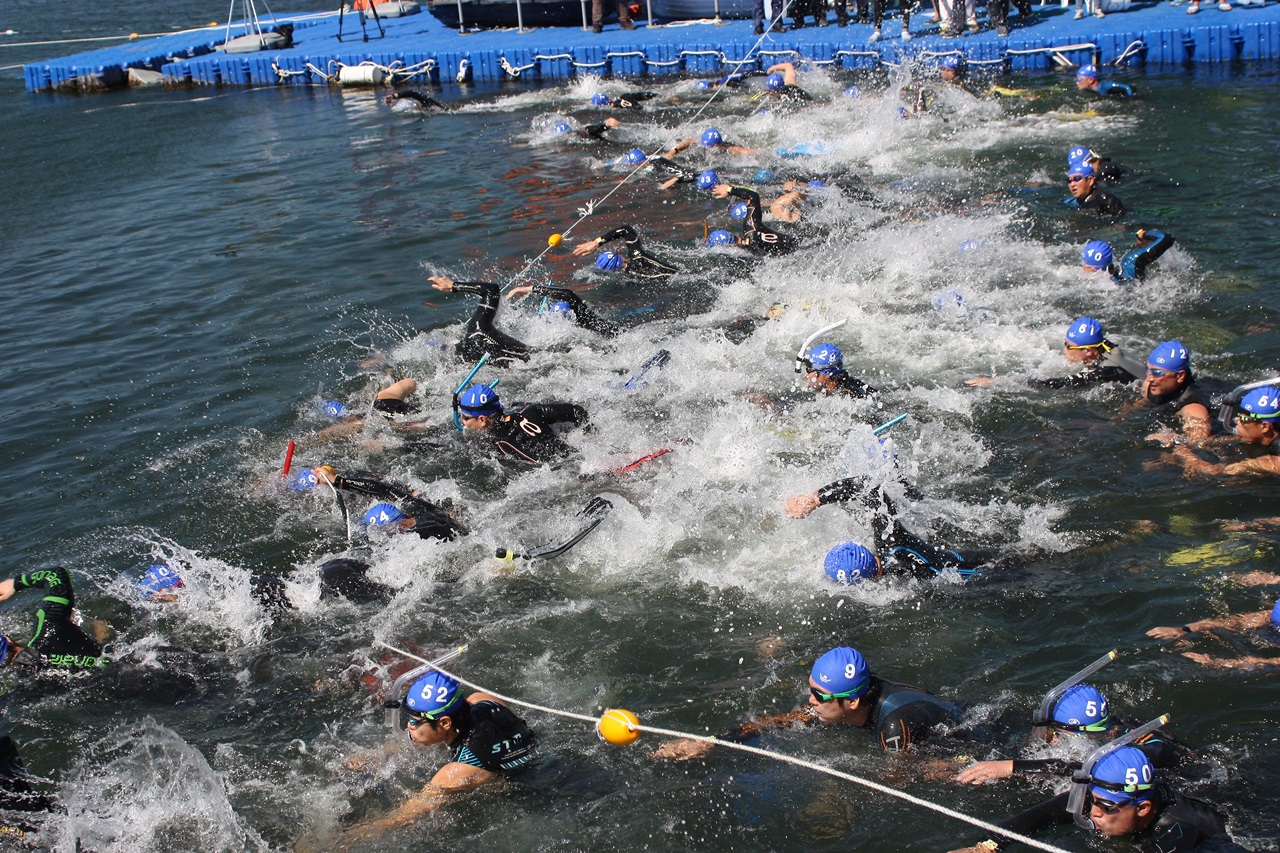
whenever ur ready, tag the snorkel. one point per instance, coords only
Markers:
(457, 419)
(401, 685)
(1044, 714)
(802, 354)
(1230, 405)
(1082, 779)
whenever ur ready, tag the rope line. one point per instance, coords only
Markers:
(754, 750)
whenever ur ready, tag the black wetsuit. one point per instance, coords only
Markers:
(640, 264)
(899, 550)
(847, 386)
(430, 521)
(16, 791)
(493, 738)
(1183, 824)
(1114, 366)
(903, 715)
(1133, 266)
(526, 431)
(341, 577)
(1099, 201)
(683, 174)
(1162, 749)
(1167, 406)
(57, 642)
(583, 314)
(418, 98)
(755, 236)
(631, 100)
(791, 95)
(1109, 170)
(480, 336)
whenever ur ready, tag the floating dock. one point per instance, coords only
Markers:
(418, 49)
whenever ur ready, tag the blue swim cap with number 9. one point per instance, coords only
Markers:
(609, 261)
(433, 695)
(842, 670)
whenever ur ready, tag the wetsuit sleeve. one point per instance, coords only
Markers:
(595, 131)
(1111, 170)
(752, 730)
(482, 288)
(1163, 751)
(624, 232)
(373, 486)
(683, 174)
(563, 413)
(60, 598)
(583, 314)
(1089, 376)
(1135, 263)
(1048, 813)
(755, 216)
(842, 491)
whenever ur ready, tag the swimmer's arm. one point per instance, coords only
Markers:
(1262, 465)
(1247, 662)
(1025, 822)
(1241, 622)
(687, 748)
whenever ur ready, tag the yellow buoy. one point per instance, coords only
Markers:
(133, 36)
(555, 240)
(615, 726)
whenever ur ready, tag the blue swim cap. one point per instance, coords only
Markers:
(708, 179)
(826, 358)
(1122, 774)
(1081, 708)
(739, 210)
(1082, 170)
(711, 137)
(702, 84)
(334, 409)
(157, 579)
(383, 513)
(968, 247)
(1085, 332)
(635, 157)
(850, 562)
(1089, 72)
(951, 63)
(4, 648)
(479, 400)
(719, 238)
(599, 99)
(1169, 355)
(433, 696)
(1096, 254)
(1263, 403)
(1079, 154)
(301, 481)
(609, 261)
(561, 128)
(946, 299)
(559, 308)
(1275, 618)
(853, 92)
(774, 81)
(842, 671)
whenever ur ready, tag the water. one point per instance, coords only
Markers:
(186, 273)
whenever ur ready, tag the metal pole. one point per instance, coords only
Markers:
(461, 26)
(718, 21)
(519, 19)
(649, 8)
(584, 15)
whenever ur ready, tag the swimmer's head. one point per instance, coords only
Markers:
(599, 99)
(1125, 776)
(381, 514)
(708, 179)
(826, 359)
(562, 127)
(1087, 72)
(1096, 254)
(1079, 154)
(951, 67)
(334, 409)
(1262, 404)
(1169, 357)
(850, 563)
(968, 247)
(739, 210)
(433, 696)
(842, 672)
(719, 237)
(635, 157)
(711, 137)
(764, 176)
(156, 580)
(609, 261)
(6, 649)
(1081, 170)
(479, 401)
(1085, 332)
(774, 81)
(1082, 708)
(301, 481)
(559, 308)
(853, 93)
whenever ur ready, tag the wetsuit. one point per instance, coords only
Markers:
(1183, 824)
(16, 792)
(583, 314)
(1114, 366)
(58, 642)
(526, 431)
(847, 386)
(757, 238)
(1167, 406)
(631, 100)
(394, 406)
(430, 521)
(1109, 170)
(1162, 749)
(1099, 201)
(1112, 89)
(683, 174)
(640, 264)
(791, 95)
(1133, 266)
(341, 577)
(405, 100)
(492, 738)
(480, 336)
(900, 551)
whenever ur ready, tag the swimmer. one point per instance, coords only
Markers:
(594, 132)
(1088, 80)
(341, 577)
(1107, 169)
(1098, 256)
(413, 513)
(1100, 360)
(756, 238)
(526, 431)
(1170, 389)
(391, 402)
(58, 642)
(1257, 424)
(1082, 181)
(1239, 623)
(714, 142)
(843, 691)
(564, 302)
(626, 101)
(480, 335)
(635, 260)
(484, 738)
(824, 372)
(407, 100)
(780, 85)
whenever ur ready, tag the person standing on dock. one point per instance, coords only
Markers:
(597, 16)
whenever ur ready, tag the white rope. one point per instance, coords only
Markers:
(1134, 47)
(741, 747)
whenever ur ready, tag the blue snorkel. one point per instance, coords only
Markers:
(484, 359)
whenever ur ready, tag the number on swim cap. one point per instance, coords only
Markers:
(850, 670)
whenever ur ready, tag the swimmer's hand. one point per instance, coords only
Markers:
(518, 293)
(1258, 578)
(1165, 437)
(979, 381)
(1172, 632)
(800, 506)
(441, 282)
(586, 248)
(721, 190)
(612, 122)
(364, 762)
(670, 182)
(682, 750)
(977, 848)
(7, 589)
(985, 771)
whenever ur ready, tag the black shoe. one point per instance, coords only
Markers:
(798, 25)
(597, 28)
(759, 30)
(626, 25)
(780, 28)
(1002, 31)
(842, 22)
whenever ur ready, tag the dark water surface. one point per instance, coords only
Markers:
(186, 274)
